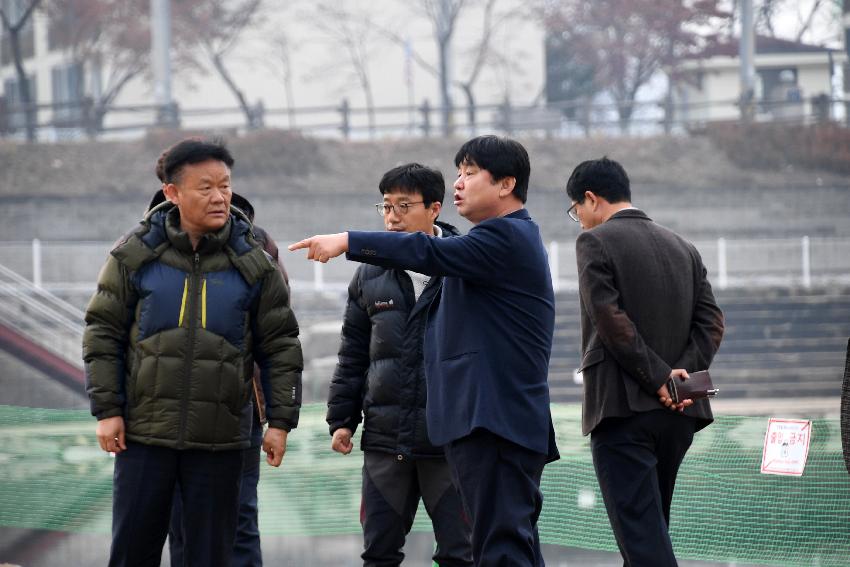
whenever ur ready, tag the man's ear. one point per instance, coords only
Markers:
(171, 193)
(435, 209)
(506, 186)
(591, 199)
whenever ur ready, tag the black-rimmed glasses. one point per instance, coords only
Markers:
(571, 212)
(400, 209)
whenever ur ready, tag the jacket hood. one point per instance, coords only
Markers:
(209, 243)
(448, 229)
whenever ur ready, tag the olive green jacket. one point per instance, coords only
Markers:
(172, 334)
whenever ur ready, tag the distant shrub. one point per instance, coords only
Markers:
(825, 147)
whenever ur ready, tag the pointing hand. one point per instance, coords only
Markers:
(323, 247)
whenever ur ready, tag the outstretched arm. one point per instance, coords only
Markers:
(481, 255)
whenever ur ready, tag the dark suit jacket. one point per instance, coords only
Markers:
(646, 308)
(489, 333)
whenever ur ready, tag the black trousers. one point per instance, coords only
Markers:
(144, 481)
(392, 488)
(246, 547)
(499, 483)
(637, 459)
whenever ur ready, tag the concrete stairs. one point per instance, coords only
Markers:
(779, 343)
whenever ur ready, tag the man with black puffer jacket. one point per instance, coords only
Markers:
(381, 377)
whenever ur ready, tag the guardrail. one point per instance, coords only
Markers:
(60, 266)
(572, 118)
(40, 316)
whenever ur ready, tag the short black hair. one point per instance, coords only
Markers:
(415, 178)
(502, 157)
(603, 176)
(188, 151)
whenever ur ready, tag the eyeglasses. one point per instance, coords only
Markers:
(572, 212)
(400, 209)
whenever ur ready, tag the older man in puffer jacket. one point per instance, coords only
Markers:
(185, 304)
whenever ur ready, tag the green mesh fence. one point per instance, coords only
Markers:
(54, 476)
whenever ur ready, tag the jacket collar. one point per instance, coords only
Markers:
(629, 214)
(521, 214)
(448, 229)
(208, 244)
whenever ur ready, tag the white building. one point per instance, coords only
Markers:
(57, 84)
(789, 75)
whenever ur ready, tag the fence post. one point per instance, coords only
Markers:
(722, 273)
(4, 116)
(87, 117)
(258, 115)
(345, 111)
(425, 109)
(554, 265)
(807, 262)
(318, 276)
(36, 262)
(507, 119)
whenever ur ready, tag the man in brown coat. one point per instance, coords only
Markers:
(647, 314)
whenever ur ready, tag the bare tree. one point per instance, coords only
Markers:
(281, 64)
(571, 75)
(12, 28)
(632, 39)
(483, 51)
(443, 15)
(765, 15)
(353, 33)
(806, 15)
(808, 20)
(216, 27)
(112, 36)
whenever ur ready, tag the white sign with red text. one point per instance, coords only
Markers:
(786, 446)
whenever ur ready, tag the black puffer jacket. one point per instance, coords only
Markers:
(381, 374)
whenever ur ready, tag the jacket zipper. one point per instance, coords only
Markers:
(193, 317)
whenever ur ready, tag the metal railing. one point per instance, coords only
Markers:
(561, 119)
(45, 319)
(781, 262)
(65, 266)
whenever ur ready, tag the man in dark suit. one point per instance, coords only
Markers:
(487, 344)
(647, 314)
